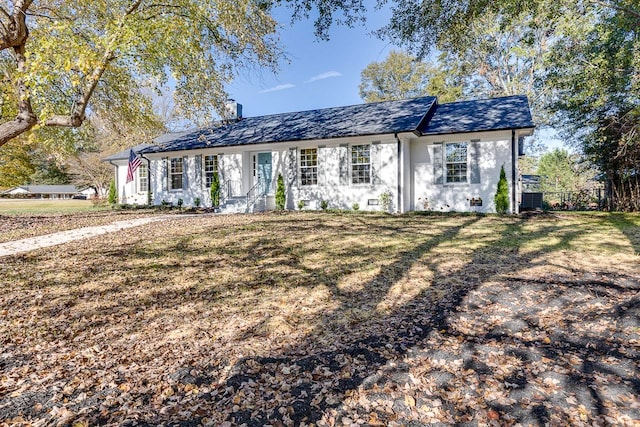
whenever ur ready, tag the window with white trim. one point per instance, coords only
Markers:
(175, 174)
(309, 166)
(143, 178)
(210, 167)
(455, 158)
(361, 164)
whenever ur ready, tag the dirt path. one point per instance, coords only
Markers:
(32, 243)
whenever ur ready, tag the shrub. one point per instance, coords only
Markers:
(196, 202)
(501, 198)
(215, 190)
(324, 205)
(355, 206)
(386, 201)
(180, 203)
(113, 195)
(300, 204)
(281, 198)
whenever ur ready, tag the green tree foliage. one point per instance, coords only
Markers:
(281, 198)
(113, 194)
(561, 171)
(401, 76)
(598, 97)
(215, 190)
(501, 199)
(16, 166)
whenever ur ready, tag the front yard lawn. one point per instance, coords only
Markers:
(328, 319)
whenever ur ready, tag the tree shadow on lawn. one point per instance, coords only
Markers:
(472, 309)
(628, 227)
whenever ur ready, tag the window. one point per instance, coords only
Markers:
(175, 177)
(309, 166)
(143, 178)
(210, 167)
(360, 164)
(456, 162)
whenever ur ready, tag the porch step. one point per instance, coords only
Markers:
(234, 205)
(239, 205)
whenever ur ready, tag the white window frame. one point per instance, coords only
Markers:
(209, 168)
(456, 168)
(360, 170)
(176, 172)
(143, 179)
(308, 166)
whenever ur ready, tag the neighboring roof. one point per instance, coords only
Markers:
(508, 112)
(45, 189)
(124, 154)
(356, 120)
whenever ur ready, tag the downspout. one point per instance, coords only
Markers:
(148, 178)
(399, 175)
(116, 180)
(514, 202)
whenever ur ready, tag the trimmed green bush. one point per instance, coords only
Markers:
(215, 190)
(501, 198)
(113, 195)
(281, 197)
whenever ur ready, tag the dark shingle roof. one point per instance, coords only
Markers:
(509, 112)
(419, 115)
(355, 120)
(124, 154)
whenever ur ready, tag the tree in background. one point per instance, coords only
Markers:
(598, 97)
(281, 198)
(561, 171)
(501, 199)
(401, 76)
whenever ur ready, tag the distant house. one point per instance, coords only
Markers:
(424, 155)
(49, 192)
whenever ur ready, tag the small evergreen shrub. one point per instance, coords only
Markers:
(196, 202)
(113, 195)
(180, 203)
(355, 206)
(501, 198)
(324, 205)
(386, 201)
(281, 197)
(300, 205)
(215, 190)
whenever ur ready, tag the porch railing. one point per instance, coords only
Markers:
(231, 188)
(254, 194)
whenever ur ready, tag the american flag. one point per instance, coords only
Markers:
(134, 162)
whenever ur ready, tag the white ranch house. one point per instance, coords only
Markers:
(428, 156)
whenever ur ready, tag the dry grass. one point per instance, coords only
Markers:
(183, 320)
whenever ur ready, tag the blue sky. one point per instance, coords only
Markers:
(320, 73)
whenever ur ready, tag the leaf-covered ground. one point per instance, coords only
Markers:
(328, 319)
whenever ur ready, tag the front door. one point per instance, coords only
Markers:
(264, 172)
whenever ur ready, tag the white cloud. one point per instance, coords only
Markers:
(325, 75)
(277, 88)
